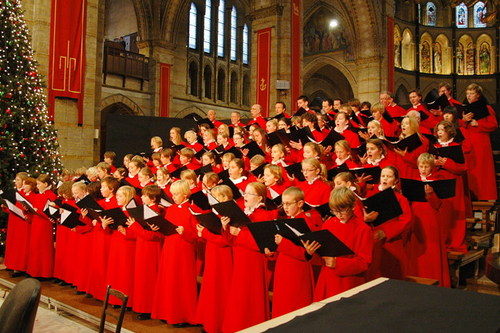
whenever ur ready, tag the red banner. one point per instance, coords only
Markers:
(67, 53)
(390, 53)
(296, 49)
(263, 88)
(164, 89)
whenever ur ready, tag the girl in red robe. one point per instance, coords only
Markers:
(455, 209)
(41, 247)
(389, 257)
(217, 273)
(24, 230)
(427, 248)
(339, 274)
(16, 232)
(100, 241)
(482, 179)
(316, 190)
(248, 302)
(121, 257)
(175, 297)
(342, 127)
(147, 255)
(293, 275)
(406, 161)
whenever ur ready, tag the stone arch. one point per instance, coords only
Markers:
(446, 56)
(144, 14)
(408, 50)
(330, 78)
(124, 100)
(484, 48)
(191, 109)
(426, 43)
(397, 46)
(324, 60)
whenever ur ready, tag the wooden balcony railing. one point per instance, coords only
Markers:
(126, 64)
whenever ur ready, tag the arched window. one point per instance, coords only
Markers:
(246, 90)
(218, 52)
(479, 13)
(207, 23)
(233, 86)
(430, 10)
(193, 79)
(246, 47)
(221, 80)
(207, 77)
(220, 29)
(461, 15)
(193, 16)
(233, 33)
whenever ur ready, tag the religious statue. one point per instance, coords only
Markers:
(437, 58)
(469, 60)
(426, 58)
(460, 60)
(397, 53)
(484, 59)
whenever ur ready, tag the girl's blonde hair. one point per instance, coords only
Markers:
(342, 198)
(128, 192)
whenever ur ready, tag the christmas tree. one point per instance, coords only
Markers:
(28, 141)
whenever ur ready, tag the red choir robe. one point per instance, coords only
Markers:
(41, 247)
(395, 111)
(175, 297)
(407, 165)
(482, 181)
(216, 279)
(134, 181)
(389, 256)
(100, 253)
(259, 121)
(349, 270)
(81, 254)
(427, 249)
(453, 208)
(121, 264)
(17, 246)
(351, 137)
(248, 301)
(293, 275)
(64, 243)
(147, 254)
(315, 193)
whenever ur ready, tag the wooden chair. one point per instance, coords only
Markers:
(105, 312)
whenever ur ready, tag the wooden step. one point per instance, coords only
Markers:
(483, 285)
(422, 280)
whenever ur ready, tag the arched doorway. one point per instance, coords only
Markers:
(328, 82)
(115, 108)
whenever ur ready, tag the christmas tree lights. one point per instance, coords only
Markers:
(28, 141)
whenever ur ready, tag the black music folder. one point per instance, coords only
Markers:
(295, 170)
(253, 149)
(233, 211)
(279, 136)
(331, 246)
(369, 171)
(259, 171)
(200, 199)
(385, 203)
(118, 216)
(177, 173)
(89, 203)
(237, 193)
(151, 217)
(331, 139)
(414, 190)
(263, 233)
(478, 108)
(210, 221)
(453, 152)
(70, 219)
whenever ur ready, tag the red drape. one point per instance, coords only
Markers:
(296, 48)
(164, 89)
(263, 87)
(67, 53)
